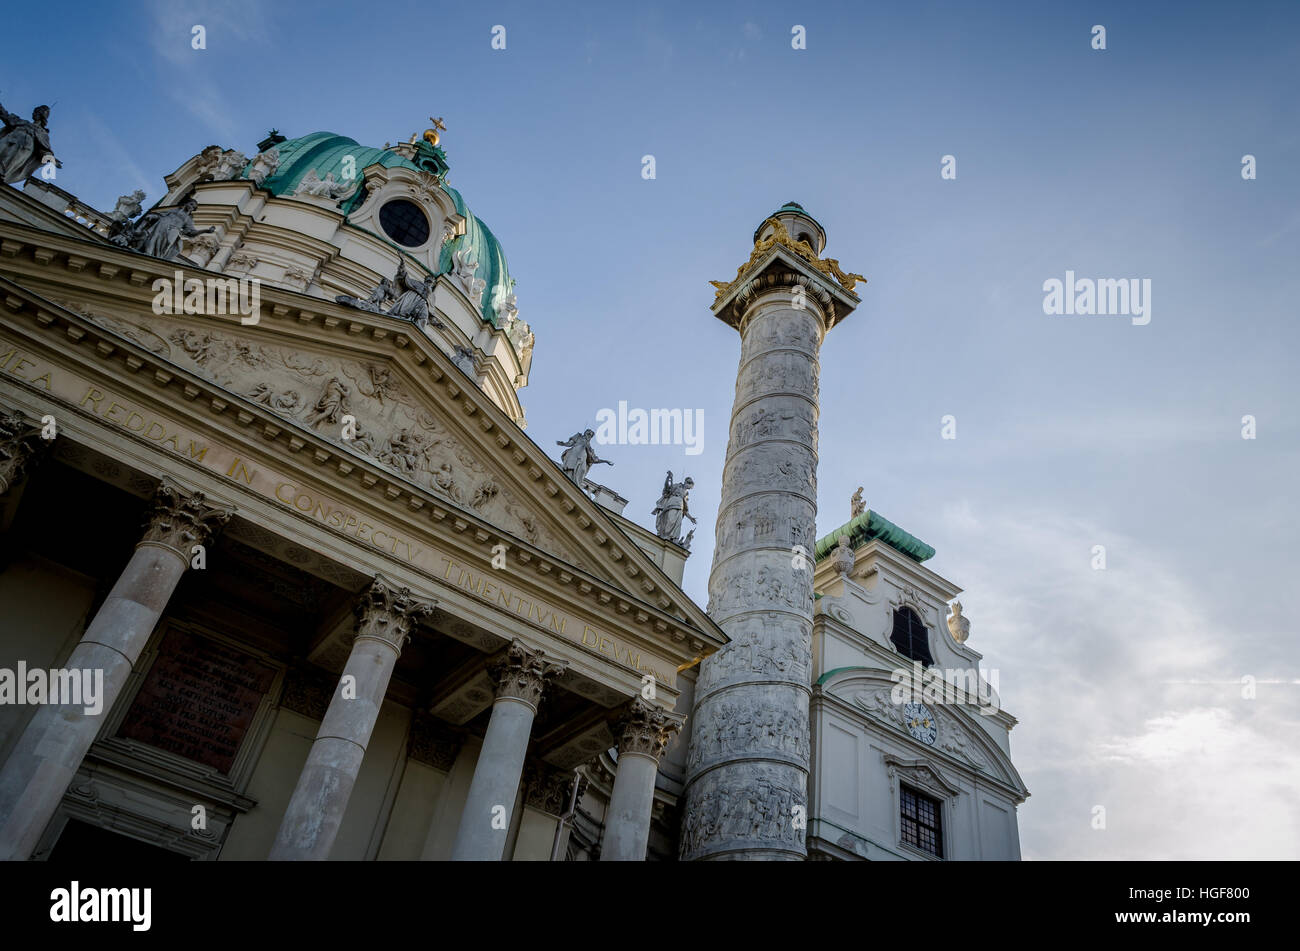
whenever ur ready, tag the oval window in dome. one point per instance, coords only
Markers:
(404, 222)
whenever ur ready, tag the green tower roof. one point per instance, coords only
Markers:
(868, 526)
(327, 152)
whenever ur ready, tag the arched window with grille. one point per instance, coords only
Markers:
(911, 637)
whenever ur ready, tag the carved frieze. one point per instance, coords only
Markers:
(759, 812)
(392, 426)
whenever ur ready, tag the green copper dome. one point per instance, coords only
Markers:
(326, 152)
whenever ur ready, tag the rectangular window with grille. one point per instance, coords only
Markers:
(922, 821)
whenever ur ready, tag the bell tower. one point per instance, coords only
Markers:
(747, 765)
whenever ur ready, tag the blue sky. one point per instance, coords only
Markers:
(1071, 432)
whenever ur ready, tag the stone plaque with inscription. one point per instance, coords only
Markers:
(198, 699)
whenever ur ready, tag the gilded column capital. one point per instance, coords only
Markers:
(181, 519)
(20, 446)
(521, 673)
(646, 729)
(386, 613)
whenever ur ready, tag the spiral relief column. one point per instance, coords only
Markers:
(747, 768)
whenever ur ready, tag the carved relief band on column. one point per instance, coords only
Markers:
(21, 446)
(521, 673)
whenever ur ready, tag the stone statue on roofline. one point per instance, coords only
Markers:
(413, 298)
(856, 504)
(579, 457)
(24, 144)
(159, 233)
(672, 507)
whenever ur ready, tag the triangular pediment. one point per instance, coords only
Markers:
(361, 400)
(420, 421)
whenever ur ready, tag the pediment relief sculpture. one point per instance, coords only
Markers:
(390, 425)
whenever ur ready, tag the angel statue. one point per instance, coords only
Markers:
(312, 184)
(413, 300)
(579, 457)
(24, 145)
(672, 508)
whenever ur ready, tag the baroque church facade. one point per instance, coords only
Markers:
(266, 496)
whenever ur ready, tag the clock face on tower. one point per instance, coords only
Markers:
(920, 722)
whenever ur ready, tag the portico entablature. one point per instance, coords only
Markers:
(360, 511)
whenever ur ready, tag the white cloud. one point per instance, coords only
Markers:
(1085, 658)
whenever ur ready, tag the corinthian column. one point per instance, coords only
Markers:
(521, 675)
(747, 767)
(385, 616)
(20, 446)
(51, 749)
(643, 733)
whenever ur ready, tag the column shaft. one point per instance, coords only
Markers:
(315, 812)
(521, 675)
(47, 756)
(485, 823)
(644, 732)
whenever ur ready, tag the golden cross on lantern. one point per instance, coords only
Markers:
(431, 135)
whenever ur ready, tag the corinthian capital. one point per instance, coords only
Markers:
(182, 519)
(646, 729)
(387, 613)
(20, 445)
(521, 673)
